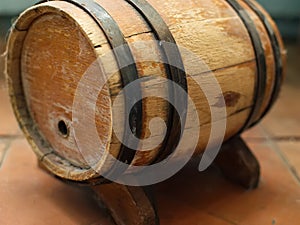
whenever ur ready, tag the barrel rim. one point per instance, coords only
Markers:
(60, 167)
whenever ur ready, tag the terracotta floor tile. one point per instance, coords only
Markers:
(8, 123)
(284, 119)
(188, 198)
(257, 132)
(3, 149)
(276, 201)
(185, 218)
(291, 150)
(29, 196)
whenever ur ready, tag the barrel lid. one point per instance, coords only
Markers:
(50, 49)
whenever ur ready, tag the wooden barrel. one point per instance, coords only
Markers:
(52, 45)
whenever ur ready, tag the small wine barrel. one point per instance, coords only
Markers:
(53, 44)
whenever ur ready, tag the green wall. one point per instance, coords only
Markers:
(278, 8)
(14, 7)
(282, 8)
(285, 12)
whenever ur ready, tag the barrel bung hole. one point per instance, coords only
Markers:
(63, 128)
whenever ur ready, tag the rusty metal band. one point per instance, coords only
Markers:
(277, 56)
(128, 71)
(175, 72)
(261, 75)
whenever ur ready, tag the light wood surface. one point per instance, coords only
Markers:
(53, 44)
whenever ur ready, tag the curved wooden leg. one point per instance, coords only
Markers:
(127, 205)
(237, 163)
(133, 206)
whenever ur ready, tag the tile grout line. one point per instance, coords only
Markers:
(7, 140)
(275, 148)
(221, 218)
(276, 138)
(5, 151)
(288, 164)
(10, 137)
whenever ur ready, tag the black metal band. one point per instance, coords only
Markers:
(261, 76)
(277, 56)
(128, 71)
(175, 72)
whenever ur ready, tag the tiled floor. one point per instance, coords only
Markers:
(29, 196)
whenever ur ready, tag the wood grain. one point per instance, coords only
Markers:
(56, 44)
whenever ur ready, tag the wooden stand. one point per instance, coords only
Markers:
(135, 205)
(238, 164)
(237, 45)
(127, 205)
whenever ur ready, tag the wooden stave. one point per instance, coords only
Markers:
(145, 163)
